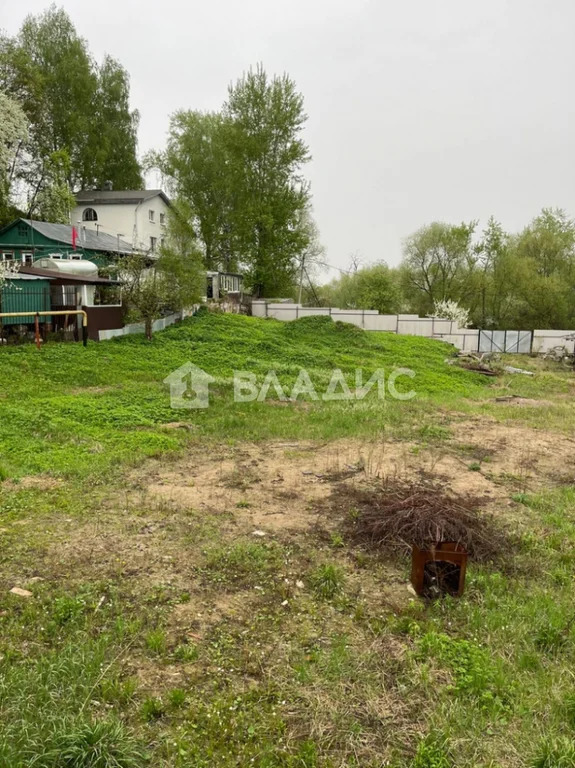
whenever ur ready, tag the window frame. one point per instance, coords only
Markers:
(91, 219)
(151, 215)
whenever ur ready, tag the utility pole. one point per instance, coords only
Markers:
(301, 279)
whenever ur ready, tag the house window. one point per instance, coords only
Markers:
(7, 256)
(22, 230)
(162, 218)
(151, 215)
(153, 243)
(76, 256)
(27, 259)
(55, 256)
(89, 215)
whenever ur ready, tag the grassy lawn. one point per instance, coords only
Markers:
(197, 598)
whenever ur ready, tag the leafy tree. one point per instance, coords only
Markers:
(496, 279)
(174, 282)
(375, 287)
(72, 106)
(113, 138)
(240, 171)
(13, 134)
(438, 261)
(198, 161)
(54, 201)
(312, 256)
(266, 155)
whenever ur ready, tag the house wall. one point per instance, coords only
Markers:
(130, 220)
(27, 241)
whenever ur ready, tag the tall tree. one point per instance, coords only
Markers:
(437, 263)
(73, 107)
(545, 257)
(198, 161)
(496, 279)
(267, 153)
(240, 171)
(113, 137)
(13, 135)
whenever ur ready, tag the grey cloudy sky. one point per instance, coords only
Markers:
(418, 110)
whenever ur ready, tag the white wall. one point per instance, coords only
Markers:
(371, 320)
(130, 220)
(543, 341)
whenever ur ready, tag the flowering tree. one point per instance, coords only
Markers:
(450, 310)
(13, 135)
(8, 271)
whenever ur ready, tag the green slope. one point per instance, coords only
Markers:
(67, 409)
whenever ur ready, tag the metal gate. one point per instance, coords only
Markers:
(513, 342)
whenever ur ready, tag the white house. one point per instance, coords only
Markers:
(136, 215)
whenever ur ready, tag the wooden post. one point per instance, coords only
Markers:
(37, 329)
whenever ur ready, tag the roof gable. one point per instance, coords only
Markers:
(119, 196)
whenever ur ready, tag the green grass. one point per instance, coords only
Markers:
(71, 410)
(298, 650)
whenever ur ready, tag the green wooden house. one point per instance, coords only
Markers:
(25, 241)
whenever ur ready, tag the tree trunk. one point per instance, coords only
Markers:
(148, 327)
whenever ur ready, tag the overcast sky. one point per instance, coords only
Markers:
(419, 110)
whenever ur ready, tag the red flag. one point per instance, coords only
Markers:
(74, 237)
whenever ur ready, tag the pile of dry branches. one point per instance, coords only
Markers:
(398, 515)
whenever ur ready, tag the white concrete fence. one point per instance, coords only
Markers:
(465, 339)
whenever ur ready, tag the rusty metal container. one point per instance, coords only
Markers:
(439, 570)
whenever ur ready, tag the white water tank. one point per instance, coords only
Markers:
(75, 267)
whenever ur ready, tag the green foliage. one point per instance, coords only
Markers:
(240, 172)
(152, 709)
(436, 264)
(44, 717)
(376, 287)
(121, 420)
(327, 581)
(173, 282)
(555, 753)
(156, 642)
(100, 744)
(432, 753)
(505, 281)
(242, 563)
(74, 108)
(474, 675)
(177, 698)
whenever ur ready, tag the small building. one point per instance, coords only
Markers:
(59, 285)
(138, 216)
(25, 241)
(221, 285)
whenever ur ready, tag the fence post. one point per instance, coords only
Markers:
(37, 329)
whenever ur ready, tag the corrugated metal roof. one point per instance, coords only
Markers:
(37, 273)
(22, 276)
(87, 238)
(118, 196)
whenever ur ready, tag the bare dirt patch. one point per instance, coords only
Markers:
(533, 457)
(38, 482)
